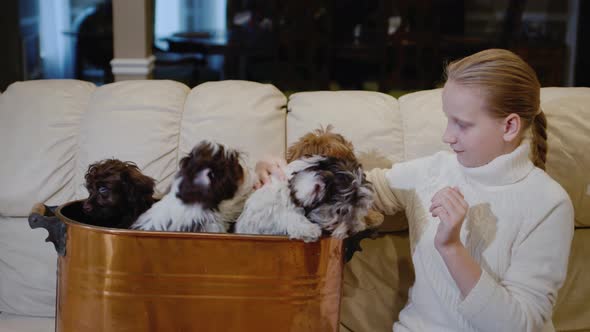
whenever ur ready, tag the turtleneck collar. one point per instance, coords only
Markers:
(503, 170)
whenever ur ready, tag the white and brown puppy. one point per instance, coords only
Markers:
(347, 200)
(326, 142)
(208, 193)
(321, 194)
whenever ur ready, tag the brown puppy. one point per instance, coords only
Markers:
(118, 193)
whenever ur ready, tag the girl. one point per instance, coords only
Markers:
(490, 231)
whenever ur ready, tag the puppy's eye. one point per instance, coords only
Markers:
(342, 211)
(211, 175)
(103, 190)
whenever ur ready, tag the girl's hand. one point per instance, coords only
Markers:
(267, 167)
(451, 208)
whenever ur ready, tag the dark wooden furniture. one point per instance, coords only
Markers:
(547, 59)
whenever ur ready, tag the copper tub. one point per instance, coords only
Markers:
(123, 280)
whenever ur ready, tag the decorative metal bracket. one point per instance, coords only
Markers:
(43, 216)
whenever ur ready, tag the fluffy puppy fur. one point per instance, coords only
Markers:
(322, 142)
(347, 201)
(321, 194)
(278, 207)
(207, 193)
(118, 193)
(325, 142)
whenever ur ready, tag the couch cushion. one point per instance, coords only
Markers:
(20, 323)
(27, 269)
(376, 283)
(39, 125)
(568, 116)
(370, 120)
(244, 115)
(568, 160)
(424, 123)
(133, 121)
(572, 312)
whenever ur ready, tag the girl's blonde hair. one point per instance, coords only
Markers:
(511, 86)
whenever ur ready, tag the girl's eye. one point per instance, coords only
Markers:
(103, 190)
(461, 124)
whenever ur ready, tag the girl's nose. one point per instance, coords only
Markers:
(448, 137)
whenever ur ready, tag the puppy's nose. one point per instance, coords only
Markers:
(87, 207)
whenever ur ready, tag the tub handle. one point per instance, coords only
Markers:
(44, 216)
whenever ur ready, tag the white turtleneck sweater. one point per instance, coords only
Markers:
(519, 229)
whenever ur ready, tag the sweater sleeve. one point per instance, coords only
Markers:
(394, 187)
(523, 299)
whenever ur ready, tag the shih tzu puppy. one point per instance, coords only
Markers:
(321, 194)
(347, 200)
(326, 142)
(208, 192)
(118, 193)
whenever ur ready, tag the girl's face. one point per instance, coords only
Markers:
(476, 137)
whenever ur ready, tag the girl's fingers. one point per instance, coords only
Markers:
(263, 178)
(434, 206)
(451, 200)
(440, 197)
(269, 166)
(441, 213)
(441, 193)
(455, 210)
(276, 170)
(458, 200)
(435, 197)
(282, 163)
(462, 198)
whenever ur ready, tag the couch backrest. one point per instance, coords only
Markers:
(39, 126)
(568, 161)
(245, 115)
(53, 129)
(133, 121)
(387, 130)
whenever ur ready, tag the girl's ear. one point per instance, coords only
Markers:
(511, 127)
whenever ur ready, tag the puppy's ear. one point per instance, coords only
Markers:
(328, 176)
(139, 188)
(91, 173)
(292, 153)
(184, 161)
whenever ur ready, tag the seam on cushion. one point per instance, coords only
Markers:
(285, 110)
(179, 129)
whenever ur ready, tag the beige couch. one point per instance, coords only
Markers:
(51, 130)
